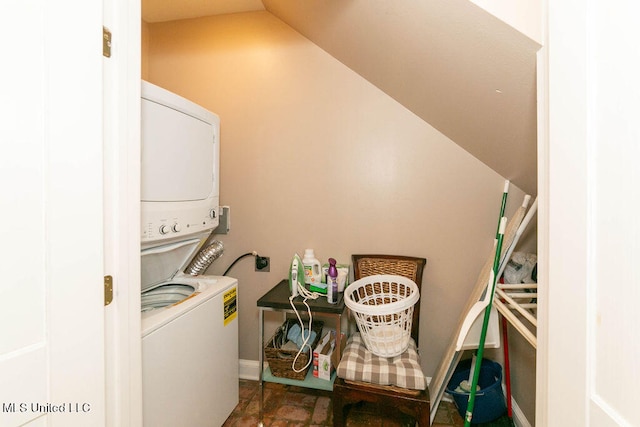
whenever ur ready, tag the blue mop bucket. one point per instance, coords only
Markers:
(489, 404)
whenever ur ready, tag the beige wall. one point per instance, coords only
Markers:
(314, 156)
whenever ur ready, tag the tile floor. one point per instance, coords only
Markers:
(290, 406)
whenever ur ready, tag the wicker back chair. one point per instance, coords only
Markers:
(415, 403)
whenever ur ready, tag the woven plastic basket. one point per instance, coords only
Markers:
(383, 308)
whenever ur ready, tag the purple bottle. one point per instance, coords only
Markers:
(332, 282)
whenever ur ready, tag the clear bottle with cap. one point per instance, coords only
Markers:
(312, 268)
(332, 282)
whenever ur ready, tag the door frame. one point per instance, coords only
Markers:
(542, 238)
(121, 88)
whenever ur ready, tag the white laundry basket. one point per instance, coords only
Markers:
(382, 305)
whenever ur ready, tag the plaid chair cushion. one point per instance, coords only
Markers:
(359, 364)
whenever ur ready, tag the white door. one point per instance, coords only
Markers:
(593, 340)
(51, 293)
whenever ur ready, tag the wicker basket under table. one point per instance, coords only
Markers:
(280, 361)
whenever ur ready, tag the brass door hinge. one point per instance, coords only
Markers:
(108, 290)
(106, 42)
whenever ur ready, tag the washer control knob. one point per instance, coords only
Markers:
(176, 228)
(164, 229)
(212, 213)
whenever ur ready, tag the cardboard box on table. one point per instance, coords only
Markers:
(325, 359)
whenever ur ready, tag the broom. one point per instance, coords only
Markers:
(483, 334)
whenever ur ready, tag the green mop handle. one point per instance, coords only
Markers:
(485, 325)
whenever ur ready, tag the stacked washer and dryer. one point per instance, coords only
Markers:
(189, 321)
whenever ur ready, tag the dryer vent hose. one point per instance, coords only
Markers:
(205, 257)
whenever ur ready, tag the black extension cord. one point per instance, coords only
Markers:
(238, 259)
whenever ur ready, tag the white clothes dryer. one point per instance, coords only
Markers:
(189, 340)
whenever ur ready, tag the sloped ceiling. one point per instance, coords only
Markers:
(465, 72)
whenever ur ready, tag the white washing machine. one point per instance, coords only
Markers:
(189, 340)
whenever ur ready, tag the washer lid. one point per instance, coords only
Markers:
(161, 263)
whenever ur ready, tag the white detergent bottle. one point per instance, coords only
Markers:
(311, 265)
